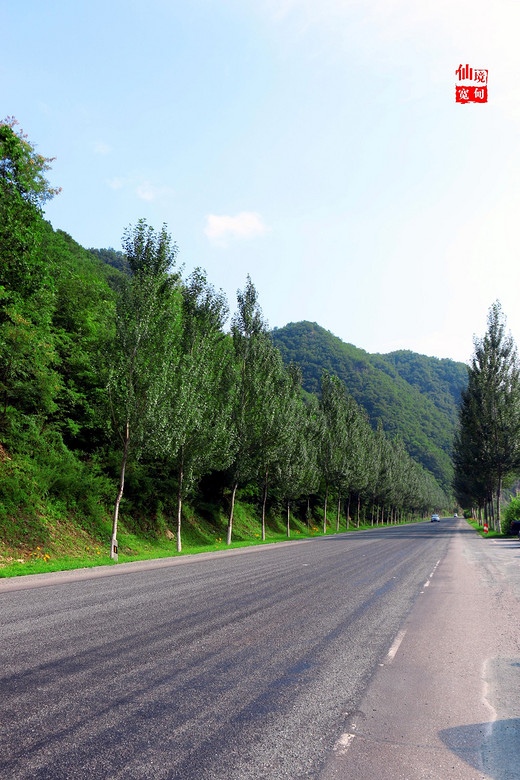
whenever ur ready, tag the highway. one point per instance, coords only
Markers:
(250, 663)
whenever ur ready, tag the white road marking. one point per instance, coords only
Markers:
(400, 636)
(488, 728)
(426, 584)
(395, 645)
(343, 743)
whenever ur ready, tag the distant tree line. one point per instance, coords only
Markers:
(103, 366)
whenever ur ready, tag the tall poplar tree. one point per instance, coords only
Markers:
(199, 402)
(144, 351)
(253, 357)
(335, 443)
(488, 442)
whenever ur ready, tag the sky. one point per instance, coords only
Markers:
(315, 145)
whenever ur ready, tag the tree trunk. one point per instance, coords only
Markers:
(264, 501)
(308, 512)
(230, 521)
(499, 491)
(113, 541)
(179, 506)
(348, 511)
(358, 508)
(339, 513)
(288, 518)
(325, 510)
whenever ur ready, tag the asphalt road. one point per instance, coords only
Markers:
(243, 664)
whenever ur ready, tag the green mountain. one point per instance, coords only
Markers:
(415, 397)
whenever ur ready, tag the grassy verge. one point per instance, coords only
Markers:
(69, 546)
(480, 529)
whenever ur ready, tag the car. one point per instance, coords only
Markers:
(435, 519)
(514, 528)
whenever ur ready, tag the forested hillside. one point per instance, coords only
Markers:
(413, 396)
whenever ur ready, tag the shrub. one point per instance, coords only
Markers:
(512, 513)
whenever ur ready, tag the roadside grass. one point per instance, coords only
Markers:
(69, 546)
(480, 530)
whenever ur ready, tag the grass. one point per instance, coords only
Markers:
(480, 529)
(69, 546)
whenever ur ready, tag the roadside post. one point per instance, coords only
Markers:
(485, 528)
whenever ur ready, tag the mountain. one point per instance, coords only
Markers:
(416, 397)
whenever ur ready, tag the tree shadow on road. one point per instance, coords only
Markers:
(492, 748)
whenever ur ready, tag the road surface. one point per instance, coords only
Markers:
(390, 653)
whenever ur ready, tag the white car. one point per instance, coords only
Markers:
(435, 519)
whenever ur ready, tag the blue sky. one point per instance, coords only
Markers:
(316, 146)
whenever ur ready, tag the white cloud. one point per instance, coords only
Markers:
(221, 228)
(149, 192)
(144, 190)
(117, 183)
(102, 148)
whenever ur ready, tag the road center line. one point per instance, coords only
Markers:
(426, 584)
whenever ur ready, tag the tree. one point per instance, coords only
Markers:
(253, 363)
(488, 442)
(144, 351)
(278, 418)
(27, 376)
(23, 192)
(335, 444)
(290, 451)
(199, 407)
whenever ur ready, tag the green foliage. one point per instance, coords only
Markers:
(199, 407)
(143, 359)
(511, 513)
(21, 168)
(116, 259)
(27, 377)
(83, 329)
(253, 355)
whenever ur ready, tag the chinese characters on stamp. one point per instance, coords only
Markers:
(471, 85)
